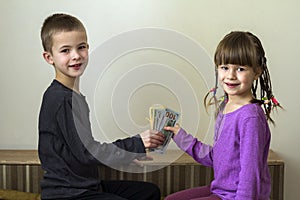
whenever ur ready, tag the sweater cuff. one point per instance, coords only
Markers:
(139, 144)
(179, 135)
(183, 140)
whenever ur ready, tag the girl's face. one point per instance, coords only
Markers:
(69, 54)
(237, 80)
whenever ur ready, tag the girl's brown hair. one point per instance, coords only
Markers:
(244, 49)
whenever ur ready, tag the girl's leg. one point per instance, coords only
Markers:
(210, 197)
(192, 193)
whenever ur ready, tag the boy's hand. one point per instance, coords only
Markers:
(152, 139)
(174, 129)
(140, 161)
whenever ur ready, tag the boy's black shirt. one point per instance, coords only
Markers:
(68, 152)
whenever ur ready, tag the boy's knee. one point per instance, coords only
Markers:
(153, 191)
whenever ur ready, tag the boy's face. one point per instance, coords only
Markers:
(69, 54)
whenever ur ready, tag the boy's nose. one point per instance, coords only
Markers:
(75, 55)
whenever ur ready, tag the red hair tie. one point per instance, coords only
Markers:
(274, 101)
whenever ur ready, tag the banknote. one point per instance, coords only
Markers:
(160, 117)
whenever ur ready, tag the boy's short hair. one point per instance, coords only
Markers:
(55, 23)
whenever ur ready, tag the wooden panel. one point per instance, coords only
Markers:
(20, 170)
(20, 157)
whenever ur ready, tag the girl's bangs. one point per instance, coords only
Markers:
(236, 51)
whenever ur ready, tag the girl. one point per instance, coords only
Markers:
(242, 136)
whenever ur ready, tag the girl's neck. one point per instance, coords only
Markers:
(235, 102)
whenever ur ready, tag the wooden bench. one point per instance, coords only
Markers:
(20, 170)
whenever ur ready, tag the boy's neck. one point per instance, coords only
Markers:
(73, 84)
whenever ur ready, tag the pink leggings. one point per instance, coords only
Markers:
(198, 193)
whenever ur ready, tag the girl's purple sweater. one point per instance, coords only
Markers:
(239, 154)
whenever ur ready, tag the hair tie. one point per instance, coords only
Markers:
(224, 99)
(213, 90)
(265, 100)
(274, 101)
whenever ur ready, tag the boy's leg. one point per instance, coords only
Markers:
(193, 193)
(93, 195)
(99, 195)
(132, 190)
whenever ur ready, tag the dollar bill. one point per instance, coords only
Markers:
(161, 117)
(153, 115)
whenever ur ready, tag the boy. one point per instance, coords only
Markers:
(71, 171)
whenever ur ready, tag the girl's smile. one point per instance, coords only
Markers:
(237, 81)
(232, 85)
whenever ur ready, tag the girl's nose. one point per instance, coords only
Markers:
(231, 74)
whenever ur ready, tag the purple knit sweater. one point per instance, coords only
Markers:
(239, 155)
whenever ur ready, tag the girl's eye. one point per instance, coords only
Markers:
(224, 67)
(240, 69)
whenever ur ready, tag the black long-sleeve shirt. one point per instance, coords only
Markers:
(68, 152)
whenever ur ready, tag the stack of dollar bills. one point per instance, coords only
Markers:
(160, 117)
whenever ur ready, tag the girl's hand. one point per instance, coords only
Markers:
(174, 129)
(152, 139)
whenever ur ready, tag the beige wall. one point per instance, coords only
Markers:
(24, 75)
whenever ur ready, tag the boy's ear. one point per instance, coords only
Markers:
(48, 57)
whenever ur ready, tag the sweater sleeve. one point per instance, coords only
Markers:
(76, 130)
(201, 152)
(254, 145)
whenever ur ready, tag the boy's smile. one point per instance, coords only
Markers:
(76, 66)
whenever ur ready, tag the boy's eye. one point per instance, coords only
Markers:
(65, 51)
(82, 47)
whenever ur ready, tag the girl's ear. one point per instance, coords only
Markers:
(258, 73)
(48, 57)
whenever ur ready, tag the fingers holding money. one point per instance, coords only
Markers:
(174, 129)
(152, 138)
(160, 117)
